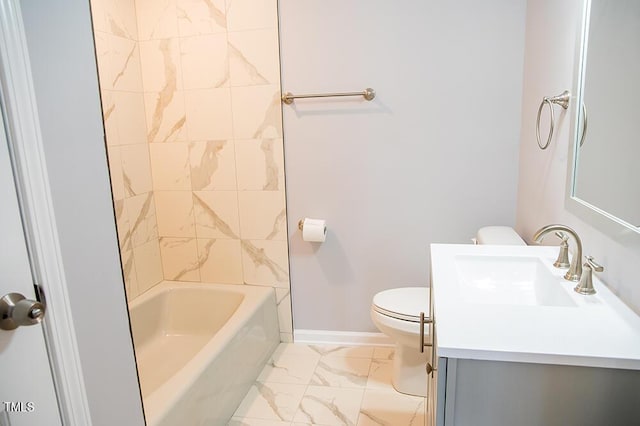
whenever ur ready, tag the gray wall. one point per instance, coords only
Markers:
(550, 53)
(431, 159)
(64, 72)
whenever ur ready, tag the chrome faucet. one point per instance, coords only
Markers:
(575, 269)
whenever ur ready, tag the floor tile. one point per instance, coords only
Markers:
(271, 401)
(237, 421)
(390, 408)
(344, 351)
(289, 369)
(323, 405)
(341, 372)
(328, 385)
(296, 349)
(383, 352)
(380, 374)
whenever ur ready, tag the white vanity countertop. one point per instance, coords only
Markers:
(597, 331)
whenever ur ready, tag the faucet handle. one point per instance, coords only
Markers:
(585, 286)
(564, 237)
(590, 263)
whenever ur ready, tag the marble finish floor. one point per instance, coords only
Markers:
(328, 385)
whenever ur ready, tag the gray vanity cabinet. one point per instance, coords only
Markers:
(513, 361)
(466, 392)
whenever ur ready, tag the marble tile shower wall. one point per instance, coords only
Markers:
(117, 50)
(210, 96)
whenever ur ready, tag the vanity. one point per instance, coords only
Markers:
(513, 344)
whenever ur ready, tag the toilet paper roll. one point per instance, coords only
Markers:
(314, 230)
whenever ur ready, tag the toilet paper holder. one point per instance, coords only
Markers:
(313, 230)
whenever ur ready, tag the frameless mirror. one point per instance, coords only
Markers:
(606, 175)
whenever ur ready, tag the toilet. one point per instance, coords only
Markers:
(396, 313)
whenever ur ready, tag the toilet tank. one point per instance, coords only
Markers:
(499, 235)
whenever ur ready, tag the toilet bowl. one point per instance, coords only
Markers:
(396, 313)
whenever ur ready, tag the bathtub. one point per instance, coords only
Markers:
(199, 347)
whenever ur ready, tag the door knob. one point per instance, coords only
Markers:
(16, 310)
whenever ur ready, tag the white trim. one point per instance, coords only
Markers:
(348, 338)
(37, 210)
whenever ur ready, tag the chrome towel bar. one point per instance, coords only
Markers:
(368, 94)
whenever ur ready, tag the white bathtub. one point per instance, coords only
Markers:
(199, 347)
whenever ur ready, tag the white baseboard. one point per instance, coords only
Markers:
(348, 338)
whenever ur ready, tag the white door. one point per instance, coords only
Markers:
(27, 393)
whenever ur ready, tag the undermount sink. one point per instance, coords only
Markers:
(509, 280)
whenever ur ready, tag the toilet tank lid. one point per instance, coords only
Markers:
(406, 301)
(499, 235)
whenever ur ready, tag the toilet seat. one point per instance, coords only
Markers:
(402, 303)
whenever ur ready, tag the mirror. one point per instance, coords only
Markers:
(606, 174)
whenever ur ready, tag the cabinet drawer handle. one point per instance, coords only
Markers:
(423, 321)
